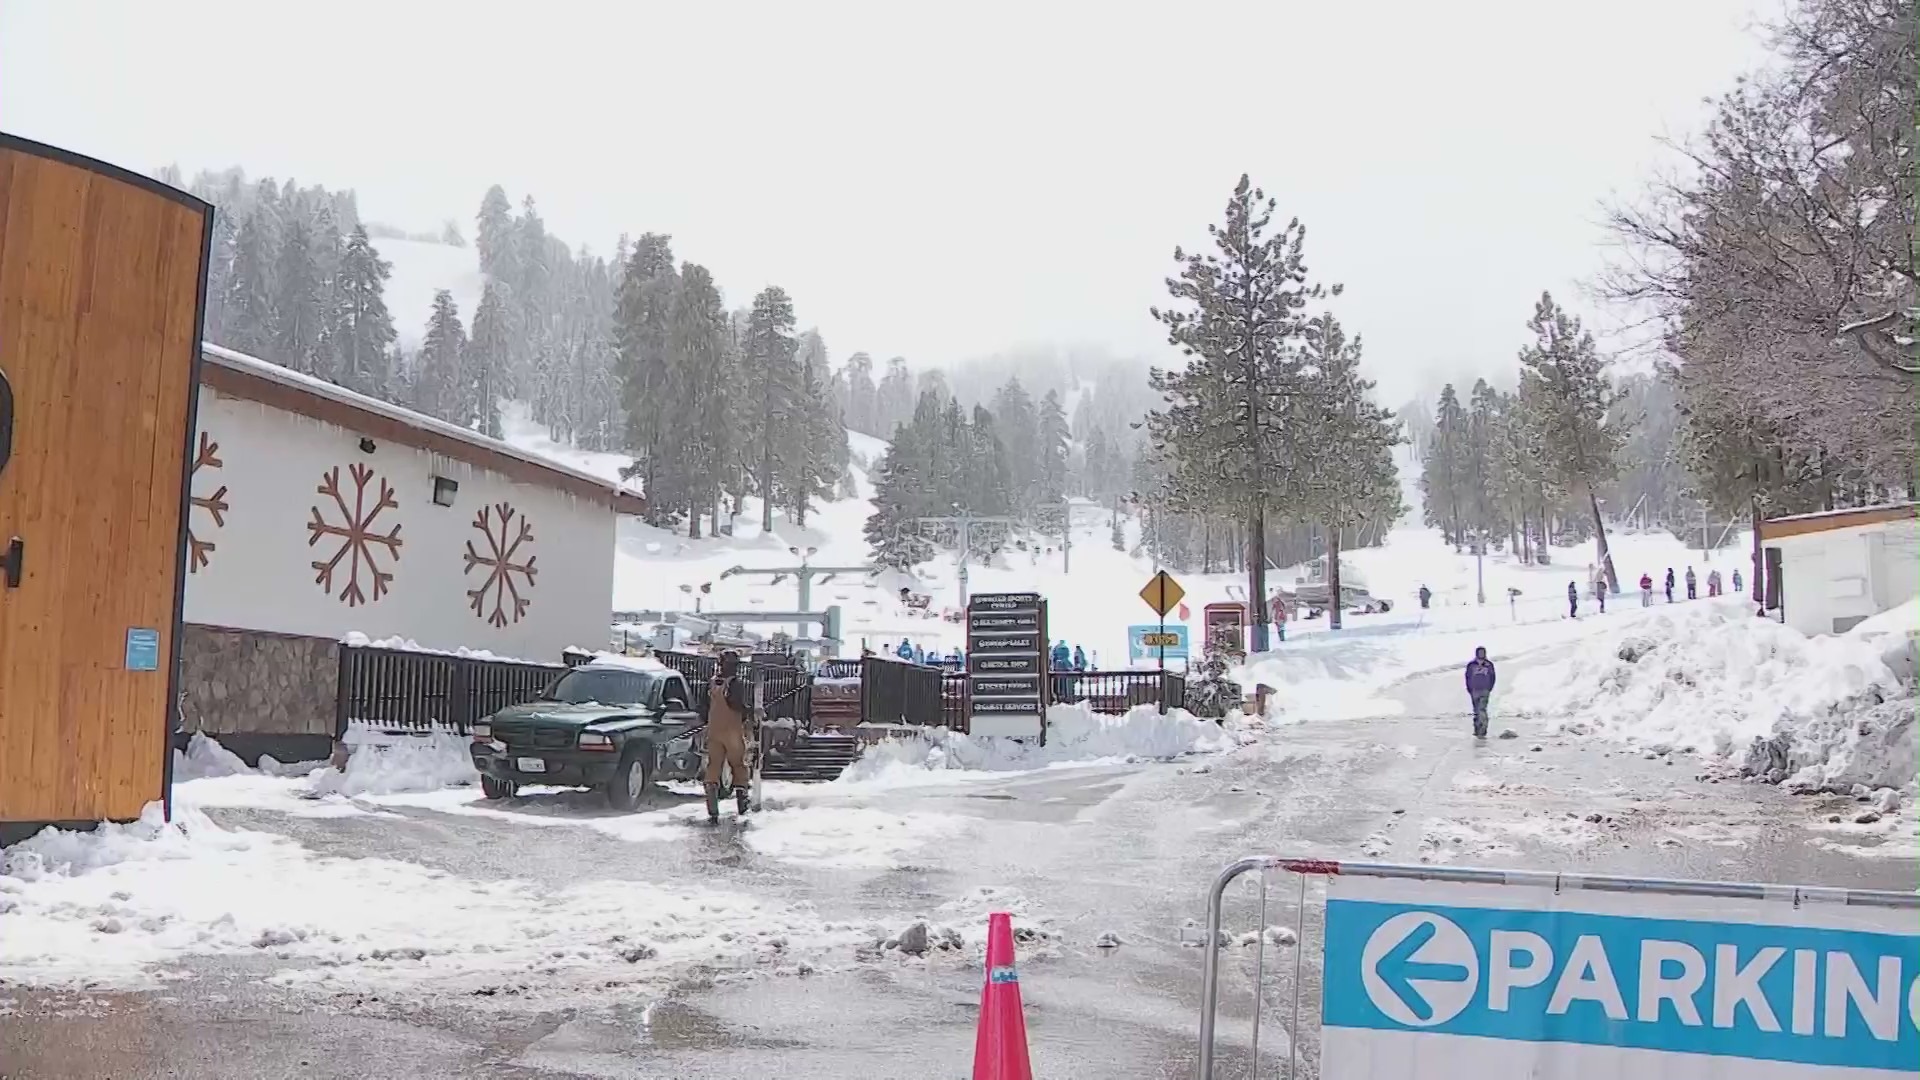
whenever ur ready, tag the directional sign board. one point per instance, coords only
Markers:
(1449, 979)
(1144, 642)
(1006, 664)
(1162, 593)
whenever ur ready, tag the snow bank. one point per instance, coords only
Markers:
(1821, 713)
(119, 905)
(204, 758)
(359, 640)
(1075, 734)
(400, 764)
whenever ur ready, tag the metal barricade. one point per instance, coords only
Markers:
(1557, 881)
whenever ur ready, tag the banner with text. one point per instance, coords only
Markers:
(1443, 979)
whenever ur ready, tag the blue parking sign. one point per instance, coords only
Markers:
(1443, 979)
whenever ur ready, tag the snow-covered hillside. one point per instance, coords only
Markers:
(1094, 599)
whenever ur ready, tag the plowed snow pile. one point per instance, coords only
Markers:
(1075, 735)
(1821, 713)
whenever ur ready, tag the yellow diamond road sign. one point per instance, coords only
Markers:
(1162, 593)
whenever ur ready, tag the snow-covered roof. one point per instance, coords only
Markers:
(323, 400)
(1826, 520)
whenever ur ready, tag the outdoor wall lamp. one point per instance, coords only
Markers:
(444, 489)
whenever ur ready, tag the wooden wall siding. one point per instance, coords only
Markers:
(100, 279)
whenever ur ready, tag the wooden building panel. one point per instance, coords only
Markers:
(101, 293)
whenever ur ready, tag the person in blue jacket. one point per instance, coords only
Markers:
(1062, 656)
(1079, 658)
(905, 651)
(1480, 678)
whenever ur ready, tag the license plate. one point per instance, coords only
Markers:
(530, 764)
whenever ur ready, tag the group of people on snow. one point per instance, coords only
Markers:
(915, 654)
(1692, 581)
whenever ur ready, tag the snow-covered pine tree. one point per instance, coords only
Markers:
(898, 498)
(487, 356)
(1443, 468)
(365, 327)
(770, 386)
(1480, 509)
(860, 395)
(1569, 378)
(442, 362)
(1348, 476)
(698, 447)
(1232, 414)
(1055, 447)
(641, 342)
(1019, 427)
(300, 302)
(893, 398)
(493, 236)
(250, 292)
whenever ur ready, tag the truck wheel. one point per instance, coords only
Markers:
(494, 788)
(632, 779)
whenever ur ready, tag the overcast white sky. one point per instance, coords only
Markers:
(939, 183)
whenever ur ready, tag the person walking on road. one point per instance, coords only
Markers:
(1669, 584)
(1691, 582)
(1480, 677)
(726, 734)
(1573, 601)
(1736, 579)
(1646, 590)
(1713, 583)
(1426, 597)
(1279, 617)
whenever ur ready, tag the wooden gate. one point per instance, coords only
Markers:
(102, 291)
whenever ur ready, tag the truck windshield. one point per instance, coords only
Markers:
(581, 686)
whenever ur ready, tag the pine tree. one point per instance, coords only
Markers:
(1348, 477)
(899, 496)
(1443, 467)
(1054, 446)
(768, 351)
(487, 357)
(860, 394)
(700, 449)
(1019, 424)
(1569, 381)
(442, 363)
(493, 236)
(648, 286)
(366, 330)
(1233, 410)
(1480, 465)
(250, 292)
(893, 398)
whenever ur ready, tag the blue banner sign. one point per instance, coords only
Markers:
(1141, 653)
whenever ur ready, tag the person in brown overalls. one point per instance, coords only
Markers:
(726, 734)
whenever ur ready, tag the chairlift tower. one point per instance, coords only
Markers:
(803, 576)
(964, 522)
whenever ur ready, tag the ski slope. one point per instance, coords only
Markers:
(1095, 598)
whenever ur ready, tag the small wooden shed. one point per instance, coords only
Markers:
(102, 292)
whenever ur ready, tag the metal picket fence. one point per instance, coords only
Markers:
(403, 690)
(1306, 869)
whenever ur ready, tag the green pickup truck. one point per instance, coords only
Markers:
(615, 723)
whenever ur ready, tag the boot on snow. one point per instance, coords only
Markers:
(740, 801)
(713, 802)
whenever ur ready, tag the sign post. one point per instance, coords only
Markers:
(1161, 593)
(1006, 665)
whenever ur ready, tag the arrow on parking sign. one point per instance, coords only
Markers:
(1419, 969)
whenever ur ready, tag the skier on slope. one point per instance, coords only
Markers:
(726, 734)
(1480, 679)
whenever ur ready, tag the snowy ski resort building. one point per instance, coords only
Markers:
(1842, 566)
(318, 513)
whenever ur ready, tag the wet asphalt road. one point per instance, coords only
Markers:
(1126, 850)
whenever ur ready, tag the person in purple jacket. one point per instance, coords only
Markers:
(1480, 678)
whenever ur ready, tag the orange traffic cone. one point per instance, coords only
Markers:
(1000, 1045)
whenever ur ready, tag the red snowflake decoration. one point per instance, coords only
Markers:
(501, 586)
(198, 550)
(356, 535)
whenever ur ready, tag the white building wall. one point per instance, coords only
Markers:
(1839, 576)
(270, 523)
